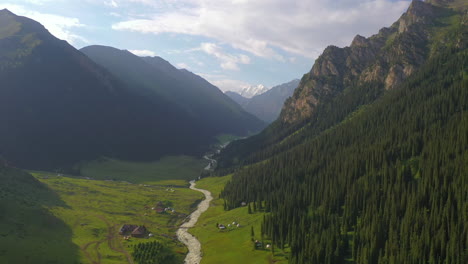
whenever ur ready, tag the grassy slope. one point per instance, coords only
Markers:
(28, 232)
(165, 171)
(225, 138)
(79, 219)
(90, 212)
(96, 210)
(234, 245)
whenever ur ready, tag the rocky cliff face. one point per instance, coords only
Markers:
(386, 58)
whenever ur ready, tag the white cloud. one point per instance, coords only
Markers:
(143, 53)
(182, 65)
(228, 61)
(59, 26)
(263, 27)
(37, 2)
(115, 14)
(230, 85)
(224, 83)
(111, 3)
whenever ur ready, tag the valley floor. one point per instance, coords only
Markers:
(95, 210)
(82, 223)
(232, 244)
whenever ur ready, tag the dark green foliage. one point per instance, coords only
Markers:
(387, 185)
(153, 253)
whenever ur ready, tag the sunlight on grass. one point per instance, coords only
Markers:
(234, 245)
(166, 169)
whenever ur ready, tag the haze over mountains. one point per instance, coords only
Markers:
(58, 107)
(267, 105)
(156, 78)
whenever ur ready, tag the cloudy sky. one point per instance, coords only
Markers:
(232, 43)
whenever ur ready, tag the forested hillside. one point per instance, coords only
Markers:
(387, 186)
(374, 175)
(342, 80)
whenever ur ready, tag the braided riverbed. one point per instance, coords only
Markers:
(194, 255)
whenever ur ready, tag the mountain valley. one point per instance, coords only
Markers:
(109, 155)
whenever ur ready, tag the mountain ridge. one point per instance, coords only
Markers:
(374, 65)
(154, 77)
(69, 109)
(266, 106)
(366, 60)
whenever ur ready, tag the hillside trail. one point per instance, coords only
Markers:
(194, 255)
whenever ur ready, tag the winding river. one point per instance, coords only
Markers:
(194, 255)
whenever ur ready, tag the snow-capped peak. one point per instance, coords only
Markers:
(251, 91)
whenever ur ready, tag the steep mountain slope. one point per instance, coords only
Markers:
(371, 167)
(154, 78)
(267, 105)
(344, 79)
(58, 107)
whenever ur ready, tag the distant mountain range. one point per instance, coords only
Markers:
(266, 106)
(58, 107)
(253, 90)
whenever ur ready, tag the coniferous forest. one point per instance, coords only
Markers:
(388, 184)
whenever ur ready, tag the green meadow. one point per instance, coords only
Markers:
(168, 170)
(233, 245)
(56, 218)
(225, 138)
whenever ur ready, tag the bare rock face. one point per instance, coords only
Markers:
(387, 58)
(418, 13)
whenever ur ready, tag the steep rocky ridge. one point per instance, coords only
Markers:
(386, 58)
(344, 80)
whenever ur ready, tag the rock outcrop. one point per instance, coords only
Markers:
(386, 58)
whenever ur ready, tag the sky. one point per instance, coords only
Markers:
(231, 43)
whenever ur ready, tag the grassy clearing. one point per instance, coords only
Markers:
(225, 138)
(95, 210)
(235, 244)
(174, 170)
(91, 211)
